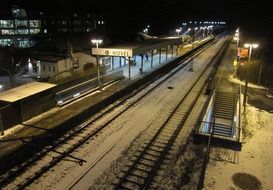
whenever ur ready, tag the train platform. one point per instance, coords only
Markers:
(78, 110)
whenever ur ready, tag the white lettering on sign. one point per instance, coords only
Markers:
(112, 52)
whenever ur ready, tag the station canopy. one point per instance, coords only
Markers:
(137, 48)
(24, 91)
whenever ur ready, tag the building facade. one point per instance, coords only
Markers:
(59, 67)
(17, 29)
(22, 29)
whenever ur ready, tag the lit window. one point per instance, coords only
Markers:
(34, 31)
(34, 23)
(6, 24)
(5, 42)
(22, 31)
(24, 43)
(21, 23)
(7, 32)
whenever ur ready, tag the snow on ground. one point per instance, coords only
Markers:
(250, 85)
(252, 167)
(108, 146)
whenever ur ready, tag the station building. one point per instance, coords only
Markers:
(58, 66)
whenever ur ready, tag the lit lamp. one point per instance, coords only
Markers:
(97, 42)
(250, 47)
(236, 37)
(178, 31)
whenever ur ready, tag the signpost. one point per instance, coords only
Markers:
(113, 52)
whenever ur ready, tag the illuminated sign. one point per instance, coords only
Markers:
(113, 52)
(243, 52)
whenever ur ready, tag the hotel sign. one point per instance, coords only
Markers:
(113, 52)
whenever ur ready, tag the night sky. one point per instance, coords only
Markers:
(255, 18)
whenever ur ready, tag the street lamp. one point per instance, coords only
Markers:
(97, 42)
(178, 31)
(250, 47)
(236, 37)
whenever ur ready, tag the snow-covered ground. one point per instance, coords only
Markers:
(252, 167)
(108, 146)
(250, 85)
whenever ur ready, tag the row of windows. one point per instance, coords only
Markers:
(5, 42)
(21, 42)
(19, 31)
(49, 68)
(19, 23)
(74, 22)
(75, 29)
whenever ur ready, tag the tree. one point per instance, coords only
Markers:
(6, 63)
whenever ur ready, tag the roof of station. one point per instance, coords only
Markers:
(136, 48)
(24, 91)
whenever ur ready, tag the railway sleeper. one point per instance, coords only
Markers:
(129, 185)
(147, 161)
(153, 153)
(140, 173)
(136, 175)
(144, 166)
(135, 179)
(157, 145)
(149, 157)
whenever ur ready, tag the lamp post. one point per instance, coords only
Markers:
(236, 37)
(178, 31)
(250, 47)
(97, 42)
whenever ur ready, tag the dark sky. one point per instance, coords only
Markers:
(254, 17)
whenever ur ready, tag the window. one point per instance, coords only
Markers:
(21, 23)
(64, 22)
(23, 43)
(34, 23)
(34, 31)
(5, 42)
(19, 13)
(77, 22)
(49, 68)
(22, 31)
(77, 30)
(54, 69)
(7, 32)
(62, 30)
(6, 24)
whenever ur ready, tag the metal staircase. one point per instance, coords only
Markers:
(223, 113)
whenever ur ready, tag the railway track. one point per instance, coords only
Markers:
(23, 175)
(147, 162)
